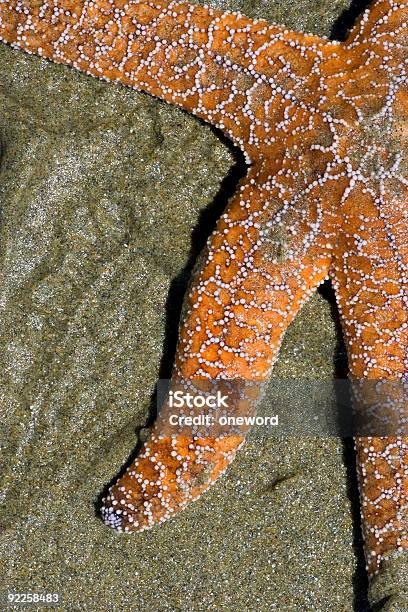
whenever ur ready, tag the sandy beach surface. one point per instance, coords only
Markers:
(106, 197)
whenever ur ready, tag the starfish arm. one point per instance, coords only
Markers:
(371, 281)
(227, 69)
(371, 265)
(239, 307)
(383, 24)
(383, 480)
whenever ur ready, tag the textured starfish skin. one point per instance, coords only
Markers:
(324, 126)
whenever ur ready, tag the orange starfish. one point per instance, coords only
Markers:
(324, 128)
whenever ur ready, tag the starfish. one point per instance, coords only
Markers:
(324, 129)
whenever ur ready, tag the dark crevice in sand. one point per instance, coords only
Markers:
(360, 580)
(347, 19)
